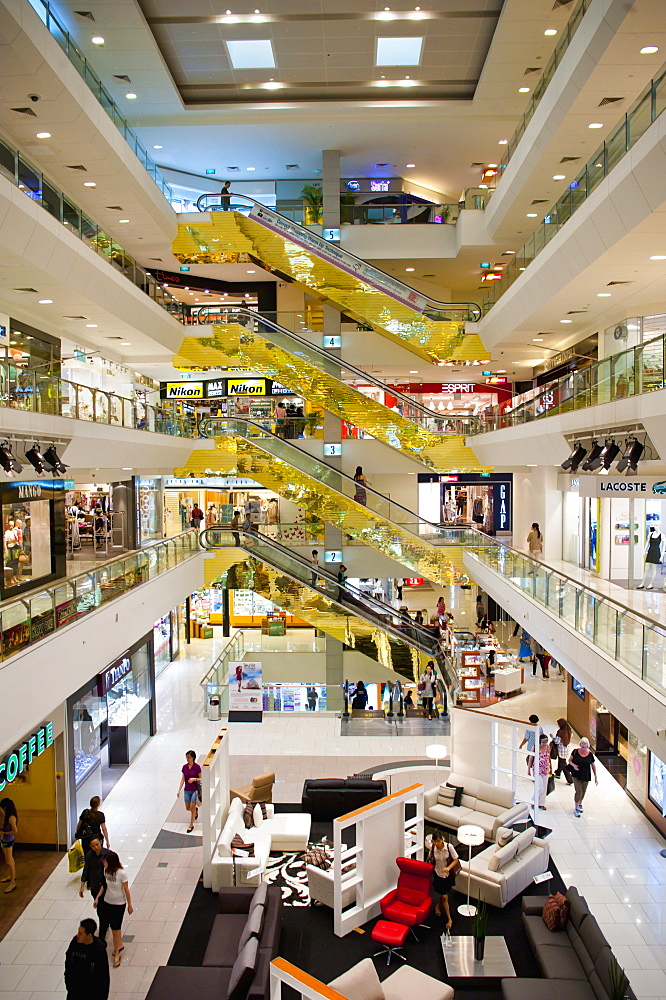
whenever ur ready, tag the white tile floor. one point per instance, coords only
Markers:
(611, 852)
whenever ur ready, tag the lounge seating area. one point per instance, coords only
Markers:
(505, 869)
(327, 798)
(462, 800)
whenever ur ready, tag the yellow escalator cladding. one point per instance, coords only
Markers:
(209, 241)
(233, 345)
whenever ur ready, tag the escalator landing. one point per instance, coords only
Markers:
(394, 726)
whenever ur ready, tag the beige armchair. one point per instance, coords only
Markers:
(261, 789)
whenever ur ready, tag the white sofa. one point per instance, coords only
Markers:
(482, 804)
(407, 983)
(278, 832)
(499, 874)
(320, 887)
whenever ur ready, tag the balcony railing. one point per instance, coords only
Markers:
(33, 616)
(44, 11)
(644, 111)
(368, 213)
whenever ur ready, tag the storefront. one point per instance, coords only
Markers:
(149, 502)
(250, 396)
(33, 534)
(108, 720)
(458, 399)
(166, 641)
(483, 500)
(29, 776)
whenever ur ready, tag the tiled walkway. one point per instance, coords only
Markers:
(611, 852)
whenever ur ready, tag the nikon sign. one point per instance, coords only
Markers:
(246, 387)
(184, 390)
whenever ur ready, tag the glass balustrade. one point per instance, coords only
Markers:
(636, 641)
(645, 110)
(26, 620)
(44, 11)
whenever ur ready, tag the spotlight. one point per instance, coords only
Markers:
(52, 463)
(7, 460)
(589, 465)
(608, 455)
(575, 458)
(632, 454)
(36, 459)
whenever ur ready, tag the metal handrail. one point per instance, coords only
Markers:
(472, 312)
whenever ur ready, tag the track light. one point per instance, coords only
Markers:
(630, 459)
(7, 460)
(607, 457)
(52, 462)
(36, 459)
(575, 458)
(590, 464)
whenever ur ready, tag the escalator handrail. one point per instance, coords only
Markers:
(374, 609)
(436, 529)
(356, 372)
(472, 308)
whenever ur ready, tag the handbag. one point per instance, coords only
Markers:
(554, 750)
(421, 686)
(75, 857)
(551, 784)
(457, 868)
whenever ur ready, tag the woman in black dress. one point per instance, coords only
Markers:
(445, 859)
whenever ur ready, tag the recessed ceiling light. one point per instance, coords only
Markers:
(550, 31)
(409, 269)
(491, 166)
(503, 142)
(97, 40)
(251, 53)
(538, 340)
(509, 251)
(649, 50)
(521, 268)
(158, 147)
(250, 271)
(501, 371)
(566, 321)
(413, 373)
(123, 220)
(91, 326)
(658, 256)
(130, 97)
(45, 302)
(410, 165)
(523, 90)
(596, 125)
(250, 168)
(89, 184)
(603, 295)
(126, 343)
(532, 215)
(398, 51)
(559, 177)
(43, 135)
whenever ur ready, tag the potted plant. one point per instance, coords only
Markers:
(479, 921)
(313, 198)
(618, 982)
(347, 203)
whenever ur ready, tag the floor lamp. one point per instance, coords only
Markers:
(436, 752)
(471, 836)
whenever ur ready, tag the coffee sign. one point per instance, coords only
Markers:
(24, 754)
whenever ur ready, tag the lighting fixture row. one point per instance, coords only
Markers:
(47, 462)
(601, 457)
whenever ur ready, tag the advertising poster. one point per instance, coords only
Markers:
(245, 694)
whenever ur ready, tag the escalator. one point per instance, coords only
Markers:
(248, 340)
(246, 448)
(359, 621)
(430, 329)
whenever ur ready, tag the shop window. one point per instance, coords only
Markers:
(657, 783)
(26, 542)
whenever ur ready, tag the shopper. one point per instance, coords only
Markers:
(246, 527)
(525, 652)
(445, 859)
(535, 541)
(582, 766)
(235, 525)
(301, 422)
(92, 874)
(529, 740)
(280, 415)
(480, 610)
(92, 823)
(360, 699)
(562, 739)
(543, 770)
(8, 831)
(398, 588)
(197, 516)
(360, 495)
(490, 662)
(313, 697)
(441, 608)
(111, 901)
(428, 688)
(225, 196)
(191, 779)
(342, 582)
(86, 965)
(315, 566)
(409, 701)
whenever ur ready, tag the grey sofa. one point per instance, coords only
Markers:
(575, 962)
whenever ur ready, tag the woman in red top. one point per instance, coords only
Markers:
(191, 778)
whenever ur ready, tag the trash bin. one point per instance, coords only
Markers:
(214, 713)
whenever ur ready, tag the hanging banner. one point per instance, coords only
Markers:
(245, 695)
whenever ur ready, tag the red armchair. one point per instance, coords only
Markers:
(410, 902)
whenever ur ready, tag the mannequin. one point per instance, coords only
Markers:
(654, 554)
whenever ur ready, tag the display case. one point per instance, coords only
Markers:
(249, 609)
(128, 685)
(472, 684)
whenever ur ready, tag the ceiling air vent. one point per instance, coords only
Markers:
(33, 290)
(113, 338)
(159, 259)
(382, 166)
(611, 283)
(77, 166)
(539, 201)
(576, 312)
(428, 275)
(233, 168)
(610, 100)
(561, 3)
(477, 164)
(292, 166)
(24, 111)
(115, 208)
(532, 69)
(88, 14)
(122, 77)
(569, 159)
(75, 317)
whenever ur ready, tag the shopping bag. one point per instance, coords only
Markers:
(75, 857)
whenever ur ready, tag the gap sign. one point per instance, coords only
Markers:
(25, 753)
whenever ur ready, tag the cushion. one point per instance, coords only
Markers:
(324, 783)
(348, 868)
(564, 909)
(237, 844)
(504, 835)
(578, 908)
(458, 793)
(366, 783)
(503, 855)
(524, 839)
(224, 938)
(591, 936)
(248, 815)
(242, 971)
(545, 989)
(264, 809)
(361, 982)
(560, 963)
(446, 795)
(260, 896)
(551, 914)
(255, 922)
(236, 807)
(602, 969)
(257, 816)
(318, 858)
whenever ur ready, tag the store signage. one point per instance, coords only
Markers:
(644, 487)
(245, 686)
(503, 511)
(114, 675)
(246, 387)
(216, 388)
(380, 185)
(229, 483)
(184, 390)
(29, 491)
(24, 754)
(458, 387)
(277, 389)
(496, 380)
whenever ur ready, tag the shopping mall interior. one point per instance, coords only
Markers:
(354, 673)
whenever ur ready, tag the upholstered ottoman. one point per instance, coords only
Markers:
(392, 936)
(289, 831)
(362, 983)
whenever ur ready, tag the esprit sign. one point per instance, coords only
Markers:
(458, 387)
(246, 387)
(184, 390)
(15, 763)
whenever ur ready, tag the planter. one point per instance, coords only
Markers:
(479, 949)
